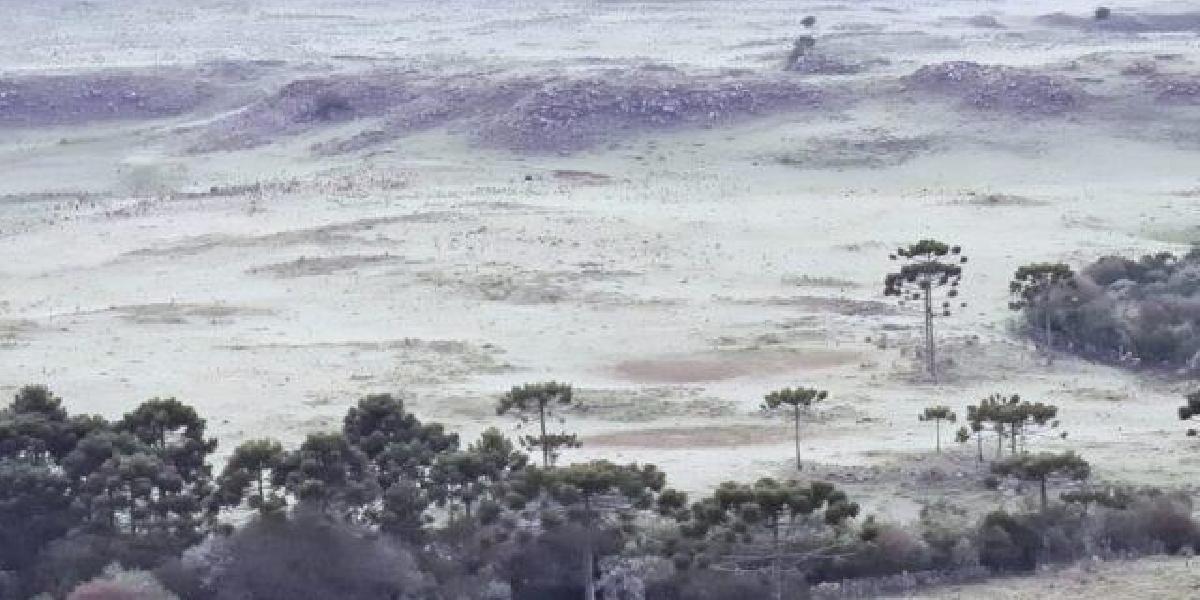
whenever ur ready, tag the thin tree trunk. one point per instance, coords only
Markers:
(938, 435)
(778, 566)
(930, 359)
(999, 440)
(798, 467)
(1045, 502)
(545, 447)
(979, 442)
(1013, 441)
(589, 583)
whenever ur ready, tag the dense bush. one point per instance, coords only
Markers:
(1136, 312)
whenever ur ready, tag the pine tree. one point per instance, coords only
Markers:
(795, 398)
(540, 399)
(927, 266)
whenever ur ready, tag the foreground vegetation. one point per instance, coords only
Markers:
(393, 507)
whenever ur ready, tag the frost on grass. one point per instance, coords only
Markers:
(998, 88)
(542, 113)
(1125, 22)
(46, 100)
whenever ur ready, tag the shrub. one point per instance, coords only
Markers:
(1143, 312)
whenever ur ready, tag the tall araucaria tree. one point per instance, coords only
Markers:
(594, 491)
(937, 414)
(1033, 288)
(540, 399)
(927, 267)
(797, 398)
(1040, 467)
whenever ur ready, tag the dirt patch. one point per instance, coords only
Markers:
(995, 199)
(692, 437)
(412, 361)
(581, 177)
(721, 366)
(867, 149)
(183, 313)
(649, 403)
(324, 265)
(336, 233)
(517, 285)
(809, 281)
(822, 304)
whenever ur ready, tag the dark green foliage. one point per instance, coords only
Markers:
(1008, 542)
(1040, 467)
(1102, 13)
(402, 446)
(35, 508)
(248, 477)
(1011, 415)
(1191, 408)
(466, 478)
(926, 267)
(312, 557)
(937, 414)
(175, 432)
(1132, 312)
(540, 399)
(1038, 289)
(329, 473)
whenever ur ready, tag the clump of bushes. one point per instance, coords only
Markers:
(1143, 312)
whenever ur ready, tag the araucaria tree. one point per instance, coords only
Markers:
(540, 399)
(1036, 289)
(937, 414)
(927, 267)
(1011, 414)
(796, 398)
(592, 492)
(1040, 467)
(761, 527)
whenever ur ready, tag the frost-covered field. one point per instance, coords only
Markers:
(270, 208)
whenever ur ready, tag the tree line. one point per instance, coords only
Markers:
(389, 506)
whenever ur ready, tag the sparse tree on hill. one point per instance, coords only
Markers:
(1040, 467)
(795, 398)
(937, 414)
(1102, 13)
(1033, 287)
(540, 399)
(927, 266)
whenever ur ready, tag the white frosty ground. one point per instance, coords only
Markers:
(674, 278)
